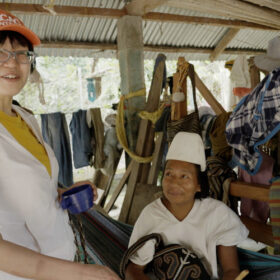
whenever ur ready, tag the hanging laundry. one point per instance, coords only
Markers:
(55, 133)
(81, 139)
(91, 90)
(255, 120)
(257, 210)
(240, 77)
(240, 80)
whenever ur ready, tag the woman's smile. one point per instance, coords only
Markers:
(10, 77)
(175, 192)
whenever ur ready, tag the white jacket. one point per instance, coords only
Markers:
(29, 212)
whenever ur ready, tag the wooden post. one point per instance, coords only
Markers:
(152, 105)
(109, 182)
(179, 109)
(119, 188)
(156, 162)
(131, 61)
(208, 96)
(144, 136)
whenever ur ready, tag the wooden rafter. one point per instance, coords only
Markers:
(164, 17)
(229, 35)
(272, 4)
(141, 7)
(163, 49)
(63, 10)
(231, 8)
(117, 13)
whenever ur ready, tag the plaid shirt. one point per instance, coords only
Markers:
(255, 120)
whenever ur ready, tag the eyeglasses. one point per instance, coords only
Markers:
(22, 57)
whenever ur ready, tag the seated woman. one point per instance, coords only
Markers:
(185, 216)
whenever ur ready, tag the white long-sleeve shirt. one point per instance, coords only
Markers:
(210, 223)
(30, 214)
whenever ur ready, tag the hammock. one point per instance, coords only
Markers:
(107, 240)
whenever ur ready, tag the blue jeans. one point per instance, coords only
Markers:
(81, 139)
(55, 133)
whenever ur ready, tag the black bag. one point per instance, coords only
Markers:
(172, 262)
(190, 123)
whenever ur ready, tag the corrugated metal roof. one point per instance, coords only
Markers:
(104, 30)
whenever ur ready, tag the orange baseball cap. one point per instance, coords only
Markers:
(9, 22)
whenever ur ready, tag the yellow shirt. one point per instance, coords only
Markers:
(23, 134)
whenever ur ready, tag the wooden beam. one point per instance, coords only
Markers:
(118, 189)
(77, 45)
(208, 96)
(144, 137)
(272, 4)
(157, 158)
(259, 231)
(147, 48)
(153, 102)
(134, 174)
(231, 8)
(74, 11)
(228, 36)
(252, 191)
(165, 17)
(141, 7)
(164, 49)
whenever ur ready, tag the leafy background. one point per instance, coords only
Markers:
(65, 87)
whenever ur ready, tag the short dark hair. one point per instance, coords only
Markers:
(17, 37)
(203, 182)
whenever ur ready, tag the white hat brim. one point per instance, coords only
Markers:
(265, 62)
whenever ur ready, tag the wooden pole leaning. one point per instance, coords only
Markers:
(144, 141)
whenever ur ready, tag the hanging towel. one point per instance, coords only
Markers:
(81, 139)
(55, 133)
(255, 120)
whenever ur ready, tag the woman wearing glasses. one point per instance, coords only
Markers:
(30, 215)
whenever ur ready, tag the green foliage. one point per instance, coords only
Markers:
(65, 85)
